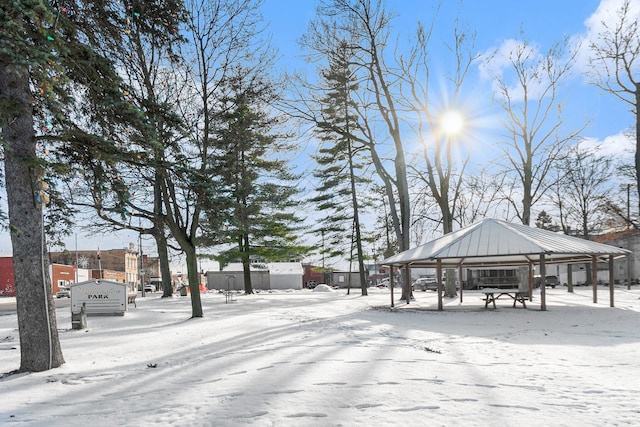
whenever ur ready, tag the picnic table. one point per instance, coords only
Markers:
(492, 294)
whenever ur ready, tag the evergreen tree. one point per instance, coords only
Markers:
(150, 69)
(545, 222)
(62, 105)
(257, 184)
(221, 34)
(339, 170)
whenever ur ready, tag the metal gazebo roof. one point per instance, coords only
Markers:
(493, 242)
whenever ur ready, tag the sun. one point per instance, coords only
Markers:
(452, 122)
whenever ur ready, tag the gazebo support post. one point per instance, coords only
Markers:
(391, 284)
(543, 284)
(530, 286)
(460, 280)
(628, 262)
(406, 284)
(610, 280)
(439, 273)
(594, 278)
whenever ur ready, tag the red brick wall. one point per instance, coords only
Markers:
(7, 281)
(65, 273)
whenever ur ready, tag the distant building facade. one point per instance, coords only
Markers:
(61, 276)
(120, 265)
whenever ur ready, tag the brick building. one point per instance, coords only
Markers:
(61, 276)
(120, 265)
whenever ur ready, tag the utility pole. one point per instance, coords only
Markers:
(628, 206)
(141, 265)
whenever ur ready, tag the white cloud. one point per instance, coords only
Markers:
(497, 59)
(500, 65)
(619, 145)
(605, 16)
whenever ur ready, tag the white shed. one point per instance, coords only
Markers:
(286, 275)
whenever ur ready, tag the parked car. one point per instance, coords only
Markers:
(64, 293)
(551, 281)
(149, 287)
(311, 284)
(425, 283)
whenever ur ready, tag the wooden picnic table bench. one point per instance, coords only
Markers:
(492, 294)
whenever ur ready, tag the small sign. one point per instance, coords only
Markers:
(100, 297)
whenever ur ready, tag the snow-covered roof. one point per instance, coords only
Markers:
(272, 267)
(286, 268)
(237, 267)
(495, 242)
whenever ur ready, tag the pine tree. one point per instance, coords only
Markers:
(340, 172)
(130, 197)
(256, 182)
(545, 222)
(62, 105)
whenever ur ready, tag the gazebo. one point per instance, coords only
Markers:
(493, 242)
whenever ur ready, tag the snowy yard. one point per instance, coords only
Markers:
(328, 359)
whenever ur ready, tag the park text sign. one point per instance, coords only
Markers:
(100, 297)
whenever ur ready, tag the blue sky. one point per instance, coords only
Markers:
(495, 22)
(543, 22)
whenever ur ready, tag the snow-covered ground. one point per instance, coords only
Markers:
(328, 359)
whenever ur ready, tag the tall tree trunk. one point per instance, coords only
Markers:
(163, 258)
(39, 344)
(527, 184)
(194, 281)
(159, 235)
(570, 278)
(637, 156)
(246, 265)
(356, 221)
(447, 227)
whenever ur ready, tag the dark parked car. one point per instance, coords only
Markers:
(426, 283)
(551, 281)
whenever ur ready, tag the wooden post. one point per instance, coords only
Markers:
(594, 278)
(530, 281)
(543, 286)
(439, 273)
(391, 284)
(460, 280)
(628, 261)
(407, 282)
(610, 280)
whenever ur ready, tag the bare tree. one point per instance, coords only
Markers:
(528, 92)
(480, 198)
(437, 128)
(615, 68)
(365, 25)
(581, 193)
(583, 190)
(220, 35)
